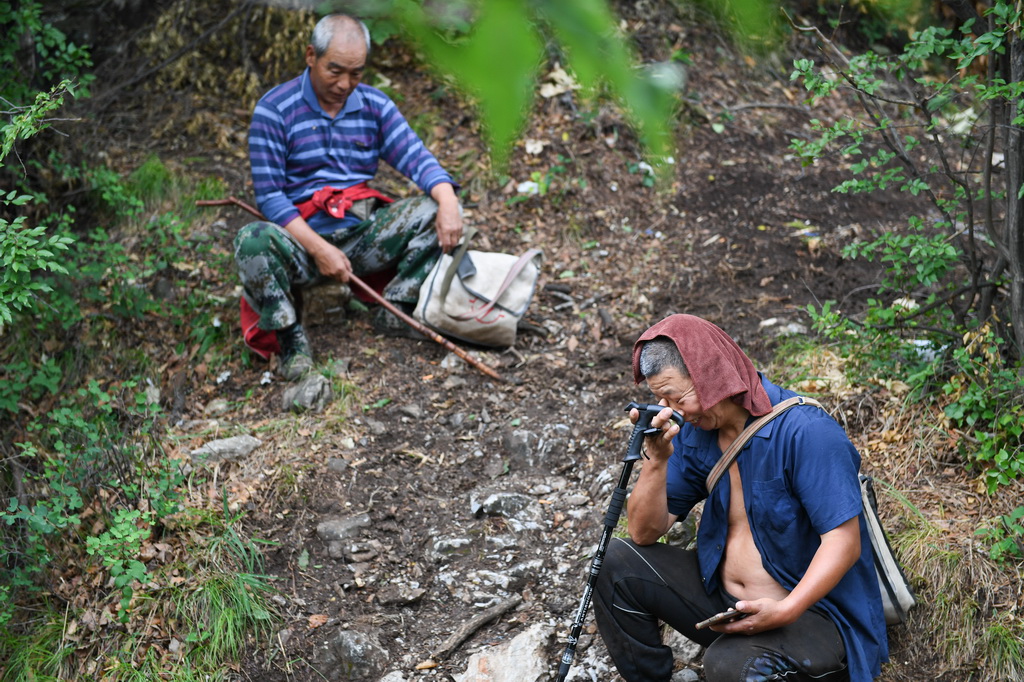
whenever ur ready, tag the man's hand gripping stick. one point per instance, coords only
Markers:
(643, 427)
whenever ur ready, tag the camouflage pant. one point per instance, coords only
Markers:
(400, 235)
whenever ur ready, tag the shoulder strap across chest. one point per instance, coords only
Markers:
(733, 451)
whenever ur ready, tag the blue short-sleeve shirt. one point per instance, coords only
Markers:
(799, 477)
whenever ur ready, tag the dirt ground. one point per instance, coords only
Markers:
(741, 234)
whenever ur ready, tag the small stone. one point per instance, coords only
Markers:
(226, 449)
(377, 427)
(413, 411)
(453, 382)
(312, 394)
(353, 655)
(400, 595)
(217, 407)
(342, 528)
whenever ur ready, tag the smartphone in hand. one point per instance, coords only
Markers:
(723, 617)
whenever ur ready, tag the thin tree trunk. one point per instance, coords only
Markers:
(1014, 232)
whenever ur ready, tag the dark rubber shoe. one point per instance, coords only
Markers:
(296, 353)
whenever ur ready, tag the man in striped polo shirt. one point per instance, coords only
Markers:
(314, 142)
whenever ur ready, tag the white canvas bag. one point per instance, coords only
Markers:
(478, 296)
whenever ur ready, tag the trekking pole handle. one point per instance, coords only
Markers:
(643, 426)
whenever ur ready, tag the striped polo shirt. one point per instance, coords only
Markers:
(295, 149)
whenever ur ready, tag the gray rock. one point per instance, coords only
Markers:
(487, 578)
(400, 595)
(521, 511)
(685, 675)
(530, 451)
(453, 363)
(442, 549)
(216, 407)
(502, 542)
(526, 569)
(360, 552)
(413, 411)
(352, 655)
(345, 528)
(775, 327)
(393, 676)
(682, 533)
(226, 449)
(311, 394)
(684, 650)
(377, 427)
(520, 445)
(337, 465)
(523, 659)
(453, 382)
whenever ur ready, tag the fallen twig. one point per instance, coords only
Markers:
(474, 624)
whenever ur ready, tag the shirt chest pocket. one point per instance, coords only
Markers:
(351, 144)
(773, 505)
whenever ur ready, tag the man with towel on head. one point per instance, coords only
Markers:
(781, 537)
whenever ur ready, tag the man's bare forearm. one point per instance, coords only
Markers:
(647, 509)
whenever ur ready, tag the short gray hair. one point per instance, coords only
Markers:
(323, 32)
(659, 354)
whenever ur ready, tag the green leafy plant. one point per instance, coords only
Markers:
(935, 127)
(25, 249)
(50, 57)
(118, 548)
(1006, 536)
(495, 58)
(986, 400)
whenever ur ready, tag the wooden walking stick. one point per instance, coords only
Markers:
(423, 329)
(372, 293)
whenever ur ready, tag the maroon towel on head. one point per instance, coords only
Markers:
(717, 366)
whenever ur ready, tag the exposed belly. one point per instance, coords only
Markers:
(742, 573)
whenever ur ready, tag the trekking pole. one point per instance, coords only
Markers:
(641, 429)
(372, 293)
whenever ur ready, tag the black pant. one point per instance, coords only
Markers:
(639, 586)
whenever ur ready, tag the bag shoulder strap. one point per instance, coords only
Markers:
(513, 272)
(457, 257)
(733, 451)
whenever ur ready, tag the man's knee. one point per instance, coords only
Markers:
(253, 239)
(735, 659)
(739, 658)
(419, 211)
(617, 557)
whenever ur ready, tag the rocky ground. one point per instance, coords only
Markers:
(432, 523)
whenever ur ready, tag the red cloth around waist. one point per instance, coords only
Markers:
(335, 202)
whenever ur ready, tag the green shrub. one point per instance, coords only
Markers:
(933, 126)
(34, 51)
